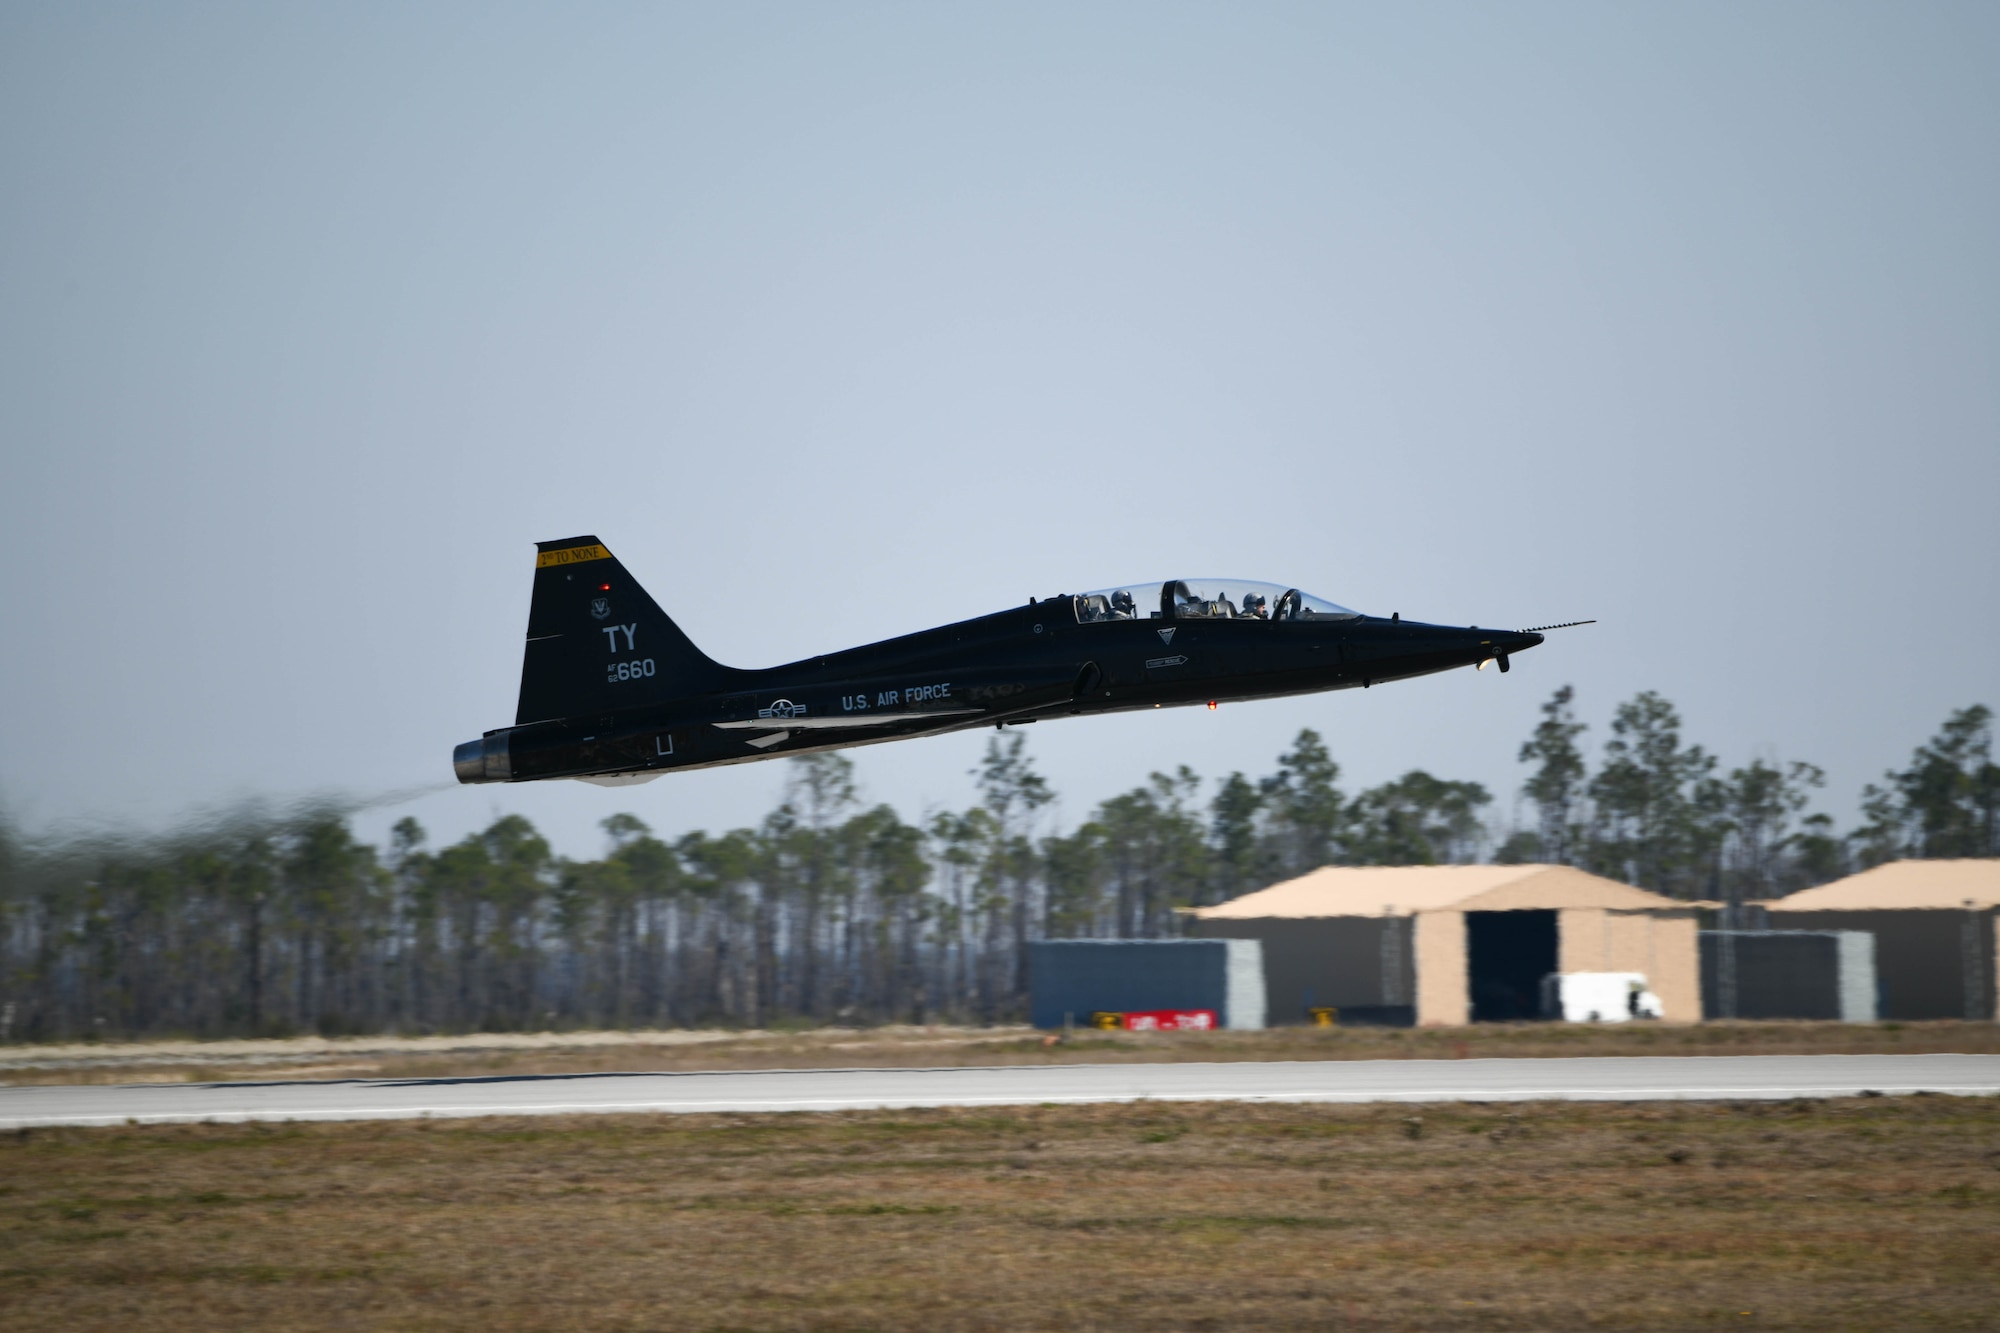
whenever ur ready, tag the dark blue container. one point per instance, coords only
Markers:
(1069, 980)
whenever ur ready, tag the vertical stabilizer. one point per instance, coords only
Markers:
(598, 642)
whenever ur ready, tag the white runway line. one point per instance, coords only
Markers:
(1646, 1078)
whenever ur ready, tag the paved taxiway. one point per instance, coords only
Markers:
(1594, 1079)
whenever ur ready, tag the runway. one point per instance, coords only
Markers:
(1701, 1078)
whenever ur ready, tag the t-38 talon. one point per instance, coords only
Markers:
(613, 692)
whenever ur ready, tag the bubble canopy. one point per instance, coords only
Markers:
(1205, 599)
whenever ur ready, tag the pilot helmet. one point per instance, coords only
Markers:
(1253, 602)
(1121, 600)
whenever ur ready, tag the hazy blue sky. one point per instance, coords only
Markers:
(837, 321)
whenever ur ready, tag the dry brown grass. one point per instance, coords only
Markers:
(1865, 1213)
(598, 1052)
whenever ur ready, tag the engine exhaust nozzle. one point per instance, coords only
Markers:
(483, 760)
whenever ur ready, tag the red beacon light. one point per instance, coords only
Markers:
(1211, 705)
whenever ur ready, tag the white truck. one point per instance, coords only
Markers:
(1598, 997)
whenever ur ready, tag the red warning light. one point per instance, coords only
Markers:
(1211, 705)
(604, 587)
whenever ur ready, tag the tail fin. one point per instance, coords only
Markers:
(597, 642)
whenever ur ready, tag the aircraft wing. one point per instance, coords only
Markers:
(839, 722)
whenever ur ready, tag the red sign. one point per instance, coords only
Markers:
(1170, 1020)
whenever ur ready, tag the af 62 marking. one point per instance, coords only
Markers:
(637, 669)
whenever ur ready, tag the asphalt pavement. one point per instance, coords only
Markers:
(1705, 1078)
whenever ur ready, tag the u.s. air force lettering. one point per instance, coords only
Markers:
(903, 696)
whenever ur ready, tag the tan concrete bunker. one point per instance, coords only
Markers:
(1933, 924)
(1440, 945)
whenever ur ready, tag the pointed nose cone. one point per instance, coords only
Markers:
(1508, 642)
(1497, 645)
(1498, 642)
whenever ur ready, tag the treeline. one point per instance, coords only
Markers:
(1658, 813)
(832, 910)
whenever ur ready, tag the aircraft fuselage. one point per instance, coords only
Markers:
(1042, 660)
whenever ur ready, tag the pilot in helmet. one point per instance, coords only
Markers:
(1122, 605)
(1253, 606)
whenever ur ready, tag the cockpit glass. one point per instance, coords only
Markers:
(1206, 599)
(1131, 602)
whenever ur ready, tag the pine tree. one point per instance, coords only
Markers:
(1945, 804)
(1307, 812)
(1240, 857)
(1013, 792)
(1417, 820)
(1558, 785)
(1758, 805)
(1651, 800)
(1951, 790)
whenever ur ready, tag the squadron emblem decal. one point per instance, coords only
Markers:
(600, 607)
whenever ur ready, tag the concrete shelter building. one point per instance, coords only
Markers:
(1933, 927)
(1443, 945)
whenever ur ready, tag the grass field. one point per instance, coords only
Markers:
(1865, 1213)
(598, 1052)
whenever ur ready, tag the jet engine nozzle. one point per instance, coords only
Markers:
(483, 760)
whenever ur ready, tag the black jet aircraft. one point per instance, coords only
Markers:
(612, 691)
